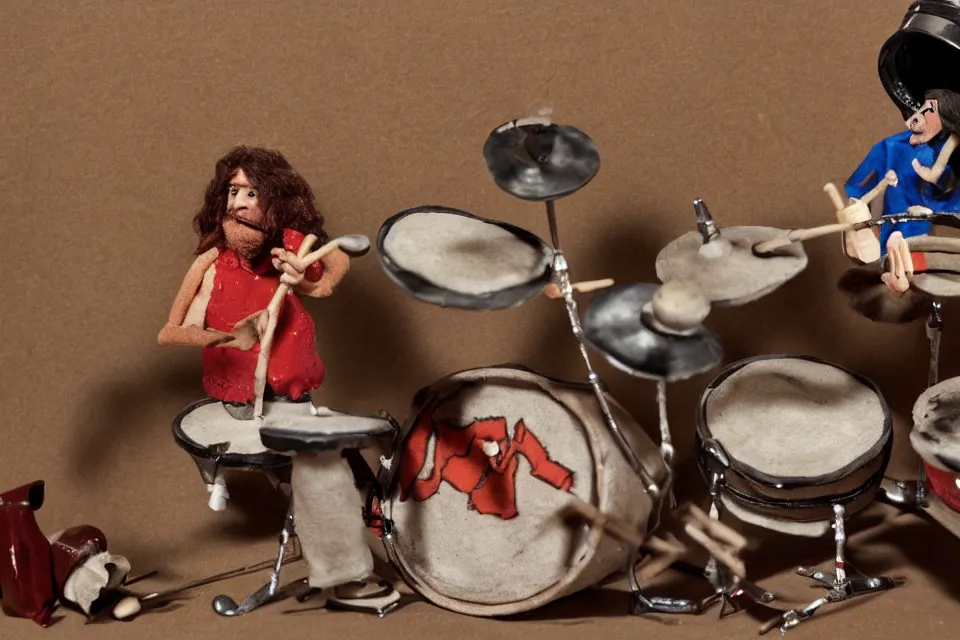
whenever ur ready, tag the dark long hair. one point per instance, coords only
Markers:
(284, 196)
(948, 109)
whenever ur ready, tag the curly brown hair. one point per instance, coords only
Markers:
(285, 197)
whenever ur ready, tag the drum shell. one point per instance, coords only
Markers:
(797, 500)
(617, 489)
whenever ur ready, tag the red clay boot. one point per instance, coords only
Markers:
(26, 562)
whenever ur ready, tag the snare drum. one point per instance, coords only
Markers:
(481, 477)
(936, 439)
(452, 258)
(327, 507)
(783, 438)
(216, 440)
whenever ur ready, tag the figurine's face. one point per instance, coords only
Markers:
(925, 123)
(242, 199)
(243, 207)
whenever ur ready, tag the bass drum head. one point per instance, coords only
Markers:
(799, 434)
(486, 538)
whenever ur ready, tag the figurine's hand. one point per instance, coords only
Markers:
(291, 267)
(248, 331)
(892, 178)
(930, 174)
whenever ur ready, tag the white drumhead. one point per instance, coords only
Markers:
(486, 559)
(792, 418)
(210, 424)
(326, 422)
(461, 253)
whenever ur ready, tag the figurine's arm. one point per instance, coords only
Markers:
(934, 173)
(179, 332)
(335, 267)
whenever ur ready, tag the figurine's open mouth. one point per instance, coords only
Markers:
(246, 223)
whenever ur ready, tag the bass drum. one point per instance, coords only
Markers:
(480, 481)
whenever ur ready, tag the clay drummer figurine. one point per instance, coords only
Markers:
(255, 216)
(921, 158)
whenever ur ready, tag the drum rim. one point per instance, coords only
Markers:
(282, 439)
(494, 144)
(265, 460)
(785, 505)
(427, 291)
(387, 479)
(704, 435)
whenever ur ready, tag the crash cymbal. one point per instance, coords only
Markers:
(723, 263)
(870, 297)
(653, 331)
(534, 159)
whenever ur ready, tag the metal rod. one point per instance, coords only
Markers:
(552, 221)
(562, 272)
(934, 333)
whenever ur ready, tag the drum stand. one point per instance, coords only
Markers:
(288, 551)
(641, 604)
(913, 495)
(839, 586)
(562, 272)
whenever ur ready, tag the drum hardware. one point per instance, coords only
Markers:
(760, 483)
(535, 159)
(654, 332)
(723, 544)
(322, 433)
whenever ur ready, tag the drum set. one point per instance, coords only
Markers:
(504, 489)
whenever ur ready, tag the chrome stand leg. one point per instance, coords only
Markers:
(839, 585)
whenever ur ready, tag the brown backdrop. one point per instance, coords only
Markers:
(114, 113)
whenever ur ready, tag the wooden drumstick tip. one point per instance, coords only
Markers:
(834, 194)
(679, 305)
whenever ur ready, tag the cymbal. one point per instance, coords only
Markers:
(534, 159)
(724, 265)
(871, 298)
(620, 322)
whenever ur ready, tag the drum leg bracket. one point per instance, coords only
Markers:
(839, 585)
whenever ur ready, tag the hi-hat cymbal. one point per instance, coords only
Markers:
(621, 323)
(870, 297)
(534, 159)
(724, 264)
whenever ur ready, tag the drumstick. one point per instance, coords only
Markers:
(618, 528)
(799, 235)
(735, 565)
(717, 529)
(553, 289)
(266, 341)
(834, 194)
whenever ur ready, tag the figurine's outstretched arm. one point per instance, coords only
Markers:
(934, 173)
(177, 332)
